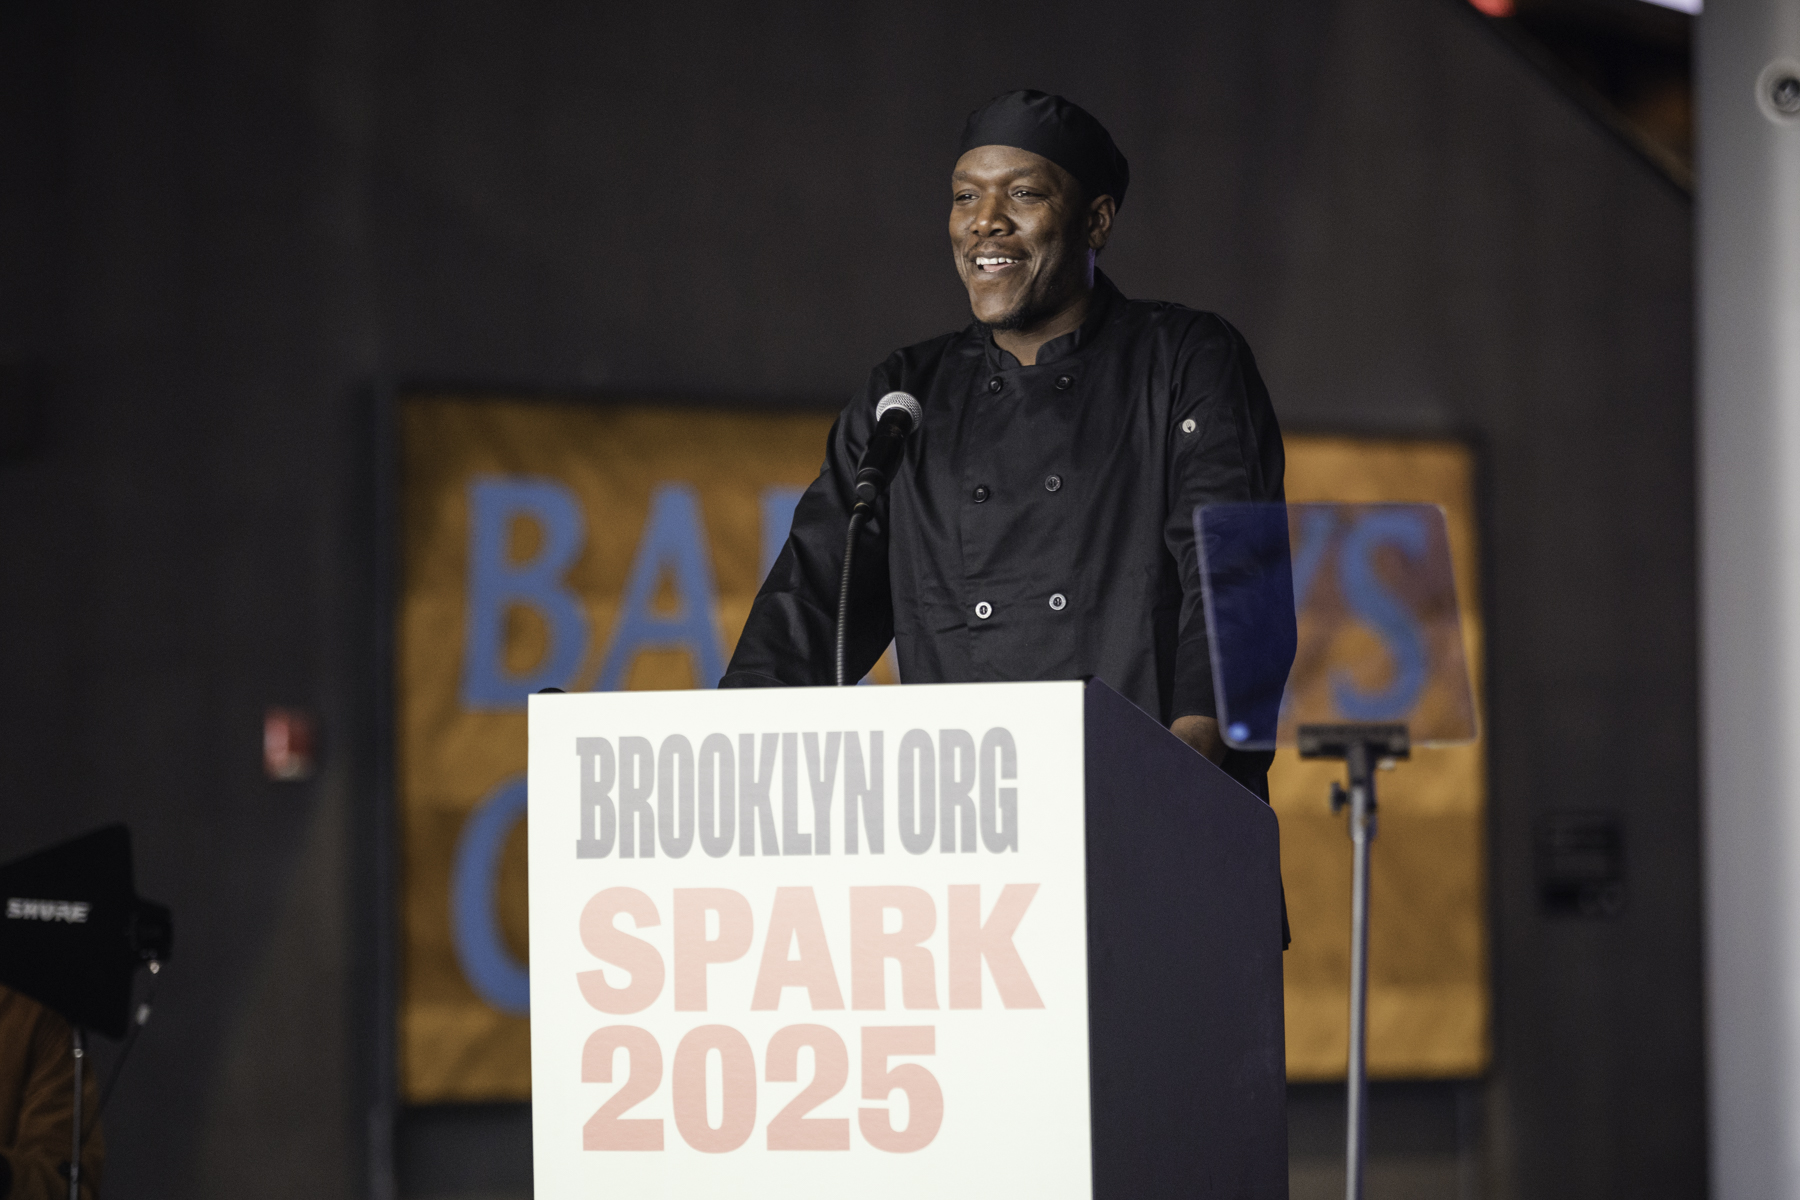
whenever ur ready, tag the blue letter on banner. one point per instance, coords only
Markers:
(1398, 628)
(495, 584)
(673, 541)
(487, 964)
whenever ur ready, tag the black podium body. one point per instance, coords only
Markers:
(1186, 1045)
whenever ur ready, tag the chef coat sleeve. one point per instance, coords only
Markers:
(790, 638)
(1233, 453)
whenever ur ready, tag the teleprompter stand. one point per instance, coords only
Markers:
(1362, 747)
(1283, 585)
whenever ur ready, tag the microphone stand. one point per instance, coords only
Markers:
(80, 1049)
(81, 1135)
(897, 414)
(857, 516)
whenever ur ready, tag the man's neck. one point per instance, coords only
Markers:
(1024, 344)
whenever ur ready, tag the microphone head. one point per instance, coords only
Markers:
(904, 402)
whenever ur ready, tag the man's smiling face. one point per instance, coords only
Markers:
(1023, 236)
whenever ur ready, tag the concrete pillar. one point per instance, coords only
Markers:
(1749, 430)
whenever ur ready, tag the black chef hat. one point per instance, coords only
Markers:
(1060, 131)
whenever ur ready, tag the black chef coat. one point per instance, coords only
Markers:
(1041, 523)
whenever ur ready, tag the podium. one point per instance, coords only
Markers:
(970, 940)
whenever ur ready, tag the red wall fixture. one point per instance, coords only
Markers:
(290, 745)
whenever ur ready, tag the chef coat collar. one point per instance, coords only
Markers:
(1106, 297)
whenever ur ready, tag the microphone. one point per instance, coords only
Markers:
(897, 414)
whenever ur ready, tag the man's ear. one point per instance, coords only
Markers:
(1101, 210)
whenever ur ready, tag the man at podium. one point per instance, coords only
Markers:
(1040, 525)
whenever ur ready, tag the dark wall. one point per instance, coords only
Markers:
(223, 229)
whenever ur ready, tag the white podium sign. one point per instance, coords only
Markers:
(809, 943)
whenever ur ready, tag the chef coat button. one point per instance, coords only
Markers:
(1187, 426)
(984, 610)
(1053, 483)
(981, 493)
(1058, 601)
(994, 384)
(1064, 382)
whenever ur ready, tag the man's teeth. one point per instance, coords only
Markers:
(983, 262)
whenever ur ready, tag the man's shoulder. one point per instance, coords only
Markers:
(1180, 320)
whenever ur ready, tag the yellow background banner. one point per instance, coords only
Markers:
(620, 546)
(1428, 950)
